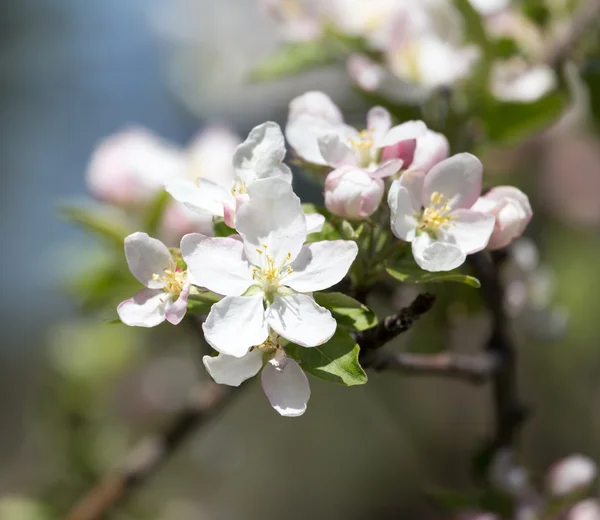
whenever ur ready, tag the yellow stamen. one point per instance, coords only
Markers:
(435, 216)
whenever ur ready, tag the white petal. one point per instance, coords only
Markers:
(316, 104)
(299, 319)
(273, 217)
(145, 309)
(432, 148)
(146, 256)
(379, 122)
(235, 324)
(314, 222)
(457, 178)
(433, 255)
(408, 130)
(336, 152)
(470, 230)
(387, 168)
(413, 181)
(286, 388)
(175, 311)
(403, 221)
(204, 197)
(210, 154)
(233, 371)
(262, 153)
(219, 264)
(321, 265)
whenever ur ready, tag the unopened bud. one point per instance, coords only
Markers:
(574, 473)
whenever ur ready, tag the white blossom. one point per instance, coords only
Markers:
(432, 211)
(574, 473)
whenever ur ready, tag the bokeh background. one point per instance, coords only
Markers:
(76, 392)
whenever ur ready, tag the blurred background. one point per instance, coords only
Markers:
(76, 392)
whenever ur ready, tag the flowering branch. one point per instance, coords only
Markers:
(151, 452)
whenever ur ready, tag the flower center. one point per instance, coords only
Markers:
(407, 61)
(270, 274)
(240, 187)
(435, 216)
(173, 278)
(363, 144)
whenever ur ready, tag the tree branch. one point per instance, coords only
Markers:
(150, 453)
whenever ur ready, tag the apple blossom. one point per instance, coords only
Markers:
(259, 156)
(588, 509)
(574, 473)
(267, 274)
(516, 81)
(432, 211)
(512, 210)
(421, 154)
(296, 18)
(284, 382)
(352, 193)
(318, 134)
(167, 286)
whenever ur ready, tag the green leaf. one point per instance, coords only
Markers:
(335, 361)
(154, 214)
(419, 276)
(223, 230)
(347, 311)
(508, 123)
(293, 59)
(101, 221)
(591, 76)
(331, 228)
(200, 302)
(474, 27)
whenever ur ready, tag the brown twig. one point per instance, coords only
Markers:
(145, 458)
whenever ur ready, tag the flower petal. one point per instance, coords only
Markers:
(145, 309)
(432, 148)
(219, 264)
(176, 310)
(286, 388)
(434, 255)
(379, 122)
(402, 219)
(314, 222)
(235, 324)
(457, 178)
(299, 319)
(407, 130)
(470, 230)
(146, 256)
(336, 152)
(316, 104)
(272, 217)
(387, 169)
(321, 265)
(262, 153)
(205, 197)
(231, 370)
(210, 154)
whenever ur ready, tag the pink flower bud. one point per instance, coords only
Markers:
(574, 473)
(352, 193)
(585, 510)
(512, 210)
(420, 154)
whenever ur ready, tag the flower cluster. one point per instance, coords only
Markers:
(263, 274)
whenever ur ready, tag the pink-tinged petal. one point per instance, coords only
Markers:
(574, 473)
(146, 256)
(130, 167)
(366, 73)
(273, 217)
(402, 219)
(588, 509)
(177, 220)
(403, 150)
(145, 309)
(314, 222)
(286, 388)
(413, 181)
(316, 104)
(386, 169)
(231, 370)
(262, 153)
(229, 215)
(204, 197)
(434, 255)
(210, 154)
(470, 230)
(336, 152)
(457, 178)
(352, 193)
(219, 264)
(379, 122)
(431, 149)
(299, 319)
(175, 311)
(321, 265)
(408, 130)
(235, 324)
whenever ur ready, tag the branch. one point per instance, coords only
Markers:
(508, 411)
(474, 368)
(146, 457)
(583, 20)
